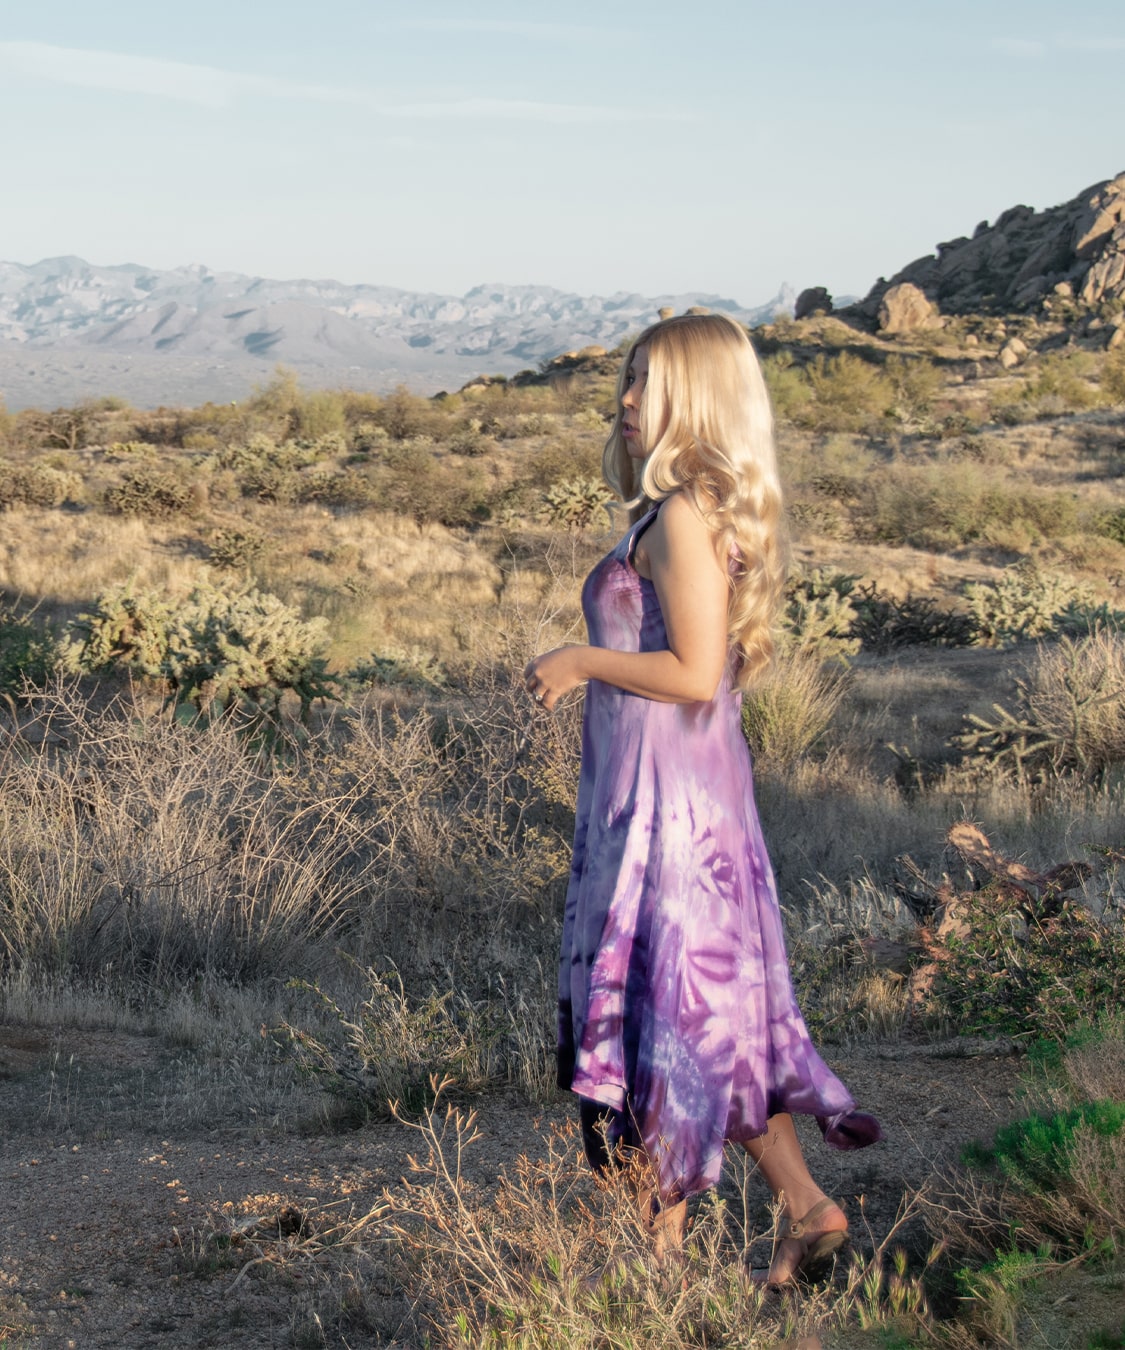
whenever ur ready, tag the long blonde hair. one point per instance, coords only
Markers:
(707, 425)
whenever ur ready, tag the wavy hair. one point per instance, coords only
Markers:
(706, 423)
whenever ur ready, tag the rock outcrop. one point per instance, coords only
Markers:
(903, 308)
(1068, 254)
(813, 300)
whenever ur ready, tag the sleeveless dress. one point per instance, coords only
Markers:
(678, 1025)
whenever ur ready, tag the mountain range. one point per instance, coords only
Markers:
(70, 329)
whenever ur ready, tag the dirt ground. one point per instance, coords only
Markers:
(104, 1238)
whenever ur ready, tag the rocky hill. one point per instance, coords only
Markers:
(1068, 257)
(144, 332)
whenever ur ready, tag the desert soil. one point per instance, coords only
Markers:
(105, 1233)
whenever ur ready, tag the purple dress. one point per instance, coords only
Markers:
(676, 1010)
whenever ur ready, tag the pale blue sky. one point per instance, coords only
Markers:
(709, 145)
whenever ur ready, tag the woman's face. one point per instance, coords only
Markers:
(636, 377)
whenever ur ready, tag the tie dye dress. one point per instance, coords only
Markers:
(678, 1026)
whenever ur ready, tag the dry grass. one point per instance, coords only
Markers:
(144, 867)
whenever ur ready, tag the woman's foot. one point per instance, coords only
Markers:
(806, 1246)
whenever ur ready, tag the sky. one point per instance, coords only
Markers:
(717, 146)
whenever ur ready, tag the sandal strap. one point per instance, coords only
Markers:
(798, 1227)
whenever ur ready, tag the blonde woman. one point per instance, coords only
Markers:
(678, 1028)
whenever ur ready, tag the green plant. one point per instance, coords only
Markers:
(1037, 1152)
(1112, 525)
(847, 393)
(29, 652)
(1113, 377)
(1029, 966)
(394, 1048)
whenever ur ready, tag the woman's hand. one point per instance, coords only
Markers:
(551, 675)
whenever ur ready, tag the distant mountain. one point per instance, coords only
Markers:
(150, 334)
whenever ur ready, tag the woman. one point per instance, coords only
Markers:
(678, 1028)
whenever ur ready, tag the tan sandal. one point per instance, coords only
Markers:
(816, 1252)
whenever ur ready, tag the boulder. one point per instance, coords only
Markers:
(665, 312)
(1012, 353)
(904, 307)
(813, 300)
(697, 309)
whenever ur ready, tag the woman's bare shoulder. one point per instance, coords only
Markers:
(680, 527)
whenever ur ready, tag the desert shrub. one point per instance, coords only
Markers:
(846, 394)
(404, 416)
(152, 493)
(915, 383)
(288, 411)
(135, 853)
(409, 668)
(29, 651)
(787, 715)
(789, 390)
(469, 439)
(1025, 602)
(577, 503)
(36, 485)
(1030, 966)
(1113, 377)
(413, 483)
(129, 452)
(1112, 525)
(217, 652)
(1060, 381)
(819, 613)
(1069, 718)
(561, 458)
(1036, 1151)
(391, 1048)
(884, 623)
(931, 507)
(1083, 619)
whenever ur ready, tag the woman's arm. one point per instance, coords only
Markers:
(681, 554)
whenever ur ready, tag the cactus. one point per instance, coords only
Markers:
(148, 492)
(575, 503)
(1024, 603)
(216, 651)
(819, 614)
(36, 485)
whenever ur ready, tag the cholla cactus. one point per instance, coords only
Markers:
(124, 629)
(575, 503)
(819, 614)
(216, 650)
(36, 485)
(1024, 603)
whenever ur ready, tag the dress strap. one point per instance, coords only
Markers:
(634, 535)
